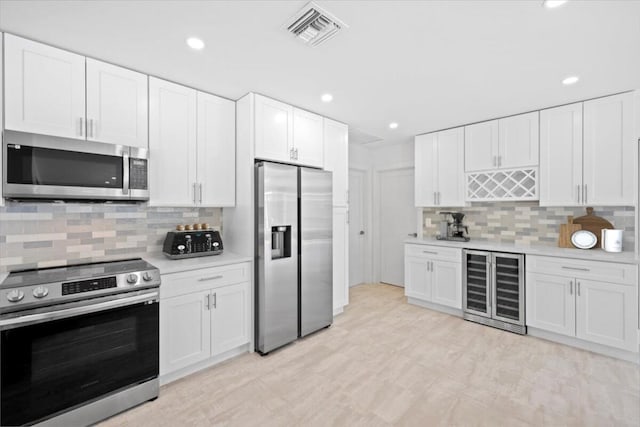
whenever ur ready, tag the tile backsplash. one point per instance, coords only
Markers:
(527, 223)
(45, 234)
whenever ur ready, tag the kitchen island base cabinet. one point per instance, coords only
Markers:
(205, 317)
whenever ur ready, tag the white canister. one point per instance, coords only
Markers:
(611, 240)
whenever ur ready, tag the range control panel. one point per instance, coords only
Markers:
(89, 285)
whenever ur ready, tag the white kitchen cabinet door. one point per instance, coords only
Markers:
(229, 317)
(336, 159)
(606, 313)
(518, 141)
(273, 130)
(447, 283)
(185, 331)
(425, 169)
(609, 151)
(561, 156)
(481, 146)
(117, 105)
(550, 303)
(417, 278)
(1, 105)
(216, 158)
(172, 144)
(340, 258)
(44, 89)
(450, 168)
(308, 138)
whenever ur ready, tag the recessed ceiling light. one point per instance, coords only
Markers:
(327, 97)
(195, 43)
(552, 4)
(570, 80)
(393, 125)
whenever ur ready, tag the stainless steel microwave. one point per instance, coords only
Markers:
(48, 167)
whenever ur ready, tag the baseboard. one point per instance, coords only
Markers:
(180, 373)
(585, 345)
(433, 306)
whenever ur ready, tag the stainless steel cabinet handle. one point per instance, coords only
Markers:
(586, 192)
(215, 300)
(194, 193)
(571, 287)
(438, 193)
(296, 154)
(578, 287)
(81, 126)
(575, 268)
(499, 161)
(430, 252)
(206, 302)
(206, 279)
(434, 198)
(495, 163)
(200, 192)
(410, 234)
(90, 129)
(578, 192)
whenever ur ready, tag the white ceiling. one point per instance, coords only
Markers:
(428, 65)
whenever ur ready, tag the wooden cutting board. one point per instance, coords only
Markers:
(593, 223)
(566, 230)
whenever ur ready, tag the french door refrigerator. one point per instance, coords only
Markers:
(493, 291)
(294, 260)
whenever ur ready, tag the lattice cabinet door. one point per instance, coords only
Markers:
(501, 185)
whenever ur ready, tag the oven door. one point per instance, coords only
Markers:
(37, 166)
(48, 367)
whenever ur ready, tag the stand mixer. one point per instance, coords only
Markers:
(453, 229)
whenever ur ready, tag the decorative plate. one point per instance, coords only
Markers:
(584, 239)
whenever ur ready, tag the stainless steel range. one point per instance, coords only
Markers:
(78, 343)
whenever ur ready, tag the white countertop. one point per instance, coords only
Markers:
(587, 254)
(168, 266)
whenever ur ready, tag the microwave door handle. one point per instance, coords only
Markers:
(125, 171)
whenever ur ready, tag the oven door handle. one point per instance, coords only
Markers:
(31, 319)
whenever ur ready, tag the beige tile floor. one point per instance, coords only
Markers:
(385, 362)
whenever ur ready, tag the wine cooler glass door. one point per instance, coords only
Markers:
(477, 283)
(508, 295)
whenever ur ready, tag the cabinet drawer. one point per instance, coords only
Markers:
(433, 252)
(207, 278)
(593, 270)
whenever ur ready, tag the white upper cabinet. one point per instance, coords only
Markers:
(439, 169)
(307, 138)
(172, 144)
(518, 141)
(216, 152)
(44, 89)
(336, 159)
(587, 153)
(117, 109)
(273, 130)
(561, 155)
(511, 142)
(1, 105)
(287, 134)
(609, 151)
(481, 146)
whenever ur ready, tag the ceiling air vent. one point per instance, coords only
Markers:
(314, 25)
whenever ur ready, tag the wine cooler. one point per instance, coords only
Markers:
(493, 292)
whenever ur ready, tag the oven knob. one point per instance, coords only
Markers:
(40, 292)
(147, 276)
(132, 279)
(15, 295)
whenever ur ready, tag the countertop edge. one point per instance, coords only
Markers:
(171, 266)
(583, 254)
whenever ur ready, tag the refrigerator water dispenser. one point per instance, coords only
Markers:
(281, 241)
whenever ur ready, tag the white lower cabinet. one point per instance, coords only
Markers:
(433, 274)
(565, 298)
(203, 314)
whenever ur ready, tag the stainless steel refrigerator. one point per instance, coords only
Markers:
(294, 261)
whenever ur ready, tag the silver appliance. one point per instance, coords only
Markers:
(78, 343)
(294, 264)
(493, 289)
(453, 229)
(54, 168)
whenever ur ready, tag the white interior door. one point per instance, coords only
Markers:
(397, 220)
(356, 228)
